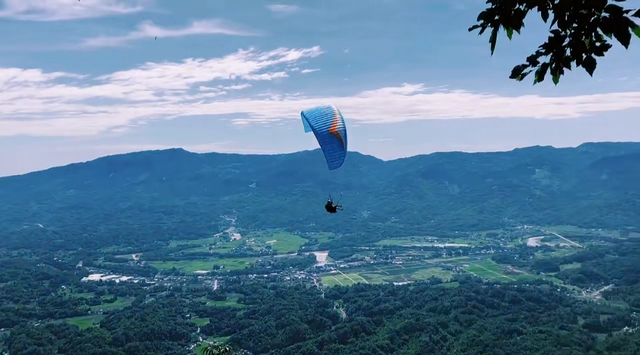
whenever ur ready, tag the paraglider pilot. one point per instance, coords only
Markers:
(331, 208)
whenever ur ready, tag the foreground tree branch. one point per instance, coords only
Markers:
(580, 31)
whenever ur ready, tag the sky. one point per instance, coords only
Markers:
(84, 79)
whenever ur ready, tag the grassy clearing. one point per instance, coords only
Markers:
(425, 241)
(375, 274)
(281, 241)
(200, 321)
(85, 321)
(338, 279)
(570, 266)
(558, 253)
(236, 263)
(562, 230)
(195, 242)
(87, 295)
(487, 269)
(323, 237)
(189, 266)
(119, 303)
(426, 274)
(232, 302)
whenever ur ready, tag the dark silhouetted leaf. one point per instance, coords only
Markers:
(589, 64)
(544, 13)
(494, 38)
(614, 10)
(517, 71)
(556, 79)
(622, 34)
(636, 14)
(509, 33)
(474, 27)
(541, 73)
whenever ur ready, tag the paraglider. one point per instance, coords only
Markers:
(327, 124)
(331, 208)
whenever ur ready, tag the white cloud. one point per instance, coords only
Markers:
(38, 103)
(148, 29)
(283, 9)
(307, 71)
(65, 10)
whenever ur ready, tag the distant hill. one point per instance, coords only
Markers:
(143, 197)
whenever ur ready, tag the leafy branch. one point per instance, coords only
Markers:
(580, 31)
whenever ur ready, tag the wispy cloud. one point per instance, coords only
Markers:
(307, 71)
(283, 9)
(66, 10)
(148, 29)
(38, 103)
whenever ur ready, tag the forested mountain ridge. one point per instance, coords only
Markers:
(171, 193)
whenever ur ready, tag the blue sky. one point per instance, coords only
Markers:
(83, 79)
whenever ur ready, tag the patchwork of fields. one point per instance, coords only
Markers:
(407, 271)
(482, 267)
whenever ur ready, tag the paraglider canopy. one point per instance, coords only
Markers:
(327, 124)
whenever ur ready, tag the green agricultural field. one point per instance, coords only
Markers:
(283, 242)
(323, 237)
(232, 302)
(449, 284)
(375, 274)
(121, 302)
(189, 266)
(557, 253)
(217, 244)
(562, 230)
(339, 279)
(85, 321)
(570, 266)
(426, 241)
(200, 321)
(236, 263)
(488, 269)
(426, 274)
(195, 242)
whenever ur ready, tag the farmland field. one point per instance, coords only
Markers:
(232, 302)
(425, 241)
(200, 321)
(204, 264)
(119, 303)
(84, 321)
(418, 270)
(281, 241)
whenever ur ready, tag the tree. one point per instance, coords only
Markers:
(580, 31)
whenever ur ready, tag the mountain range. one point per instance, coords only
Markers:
(155, 196)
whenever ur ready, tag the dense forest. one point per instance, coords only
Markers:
(175, 194)
(423, 318)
